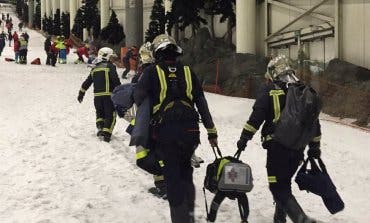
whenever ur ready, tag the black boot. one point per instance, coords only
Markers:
(280, 214)
(296, 213)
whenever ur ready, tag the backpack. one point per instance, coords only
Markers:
(228, 177)
(299, 119)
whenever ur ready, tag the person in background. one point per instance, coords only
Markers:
(20, 26)
(53, 54)
(81, 53)
(2, 41)
(60, 45)
(104, 79)
(130, 54)
(16, 49)
(23, 48)
(47, 46)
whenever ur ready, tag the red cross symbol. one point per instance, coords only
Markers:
(232, 175)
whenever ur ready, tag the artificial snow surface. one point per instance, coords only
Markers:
(53, 169)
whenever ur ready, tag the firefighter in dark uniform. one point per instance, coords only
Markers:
(174, 91)
(282, 162)
(105, 79)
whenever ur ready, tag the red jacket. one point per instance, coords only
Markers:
(53, 49)
(16, 45)
(15, 37)
(83, 51)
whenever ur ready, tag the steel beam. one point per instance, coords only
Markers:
(296, 19)
(295, 8)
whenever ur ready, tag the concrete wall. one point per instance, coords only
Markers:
(355, 35)
(354, 30)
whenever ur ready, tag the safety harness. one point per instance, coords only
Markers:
(175, 102)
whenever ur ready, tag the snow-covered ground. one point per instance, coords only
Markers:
(54, 170)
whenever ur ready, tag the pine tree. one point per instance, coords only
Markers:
(47, 24)
(56, 23)
(65, 27)
(157, 24)
(37, 15)
(19, 8)
(225, 8)
(113, 33)
(24, 16)
(185, 13)
(79, 23)
(92, 17)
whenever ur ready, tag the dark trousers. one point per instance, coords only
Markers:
(178, 174)
(105, 114)
(282, 163)
(48, 55)
(23, 56)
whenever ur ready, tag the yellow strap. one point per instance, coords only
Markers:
(189, 82)
(267, 138)
(316, 139)
(275, 97)
(163, 83)
(133, 122)
(272, 179)
(99, 120)
(161, 163)
(103, 94)
(142, 154)
(158, 177)
(113, 122)
(250, 128)
(82, 90)
(212, 130)
(221, 166)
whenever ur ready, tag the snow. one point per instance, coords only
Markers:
(53, 169)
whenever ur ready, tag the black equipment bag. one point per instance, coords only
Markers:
(228, 177)
(228, 174)
(318, 181)
(299, 119)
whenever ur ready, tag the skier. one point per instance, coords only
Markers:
(82, 52)
(2, 41)
(47, 45)
(23, 48)
(130, 54)
(104, 78)
(282, 162)
(16, 49)
(62, 50)
(174, 89)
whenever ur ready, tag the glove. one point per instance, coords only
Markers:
(120, 111)
(212, 138)
(242, 144)
(80, 97)
(314, 152)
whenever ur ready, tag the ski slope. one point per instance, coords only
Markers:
(54, 170)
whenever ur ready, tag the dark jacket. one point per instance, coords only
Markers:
(270, 102)
(149, 85)
(47, 45)
(104, 77)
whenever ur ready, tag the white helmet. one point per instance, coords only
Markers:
(146, 53)
(279, 69)
(164, 41)
(105, 53)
